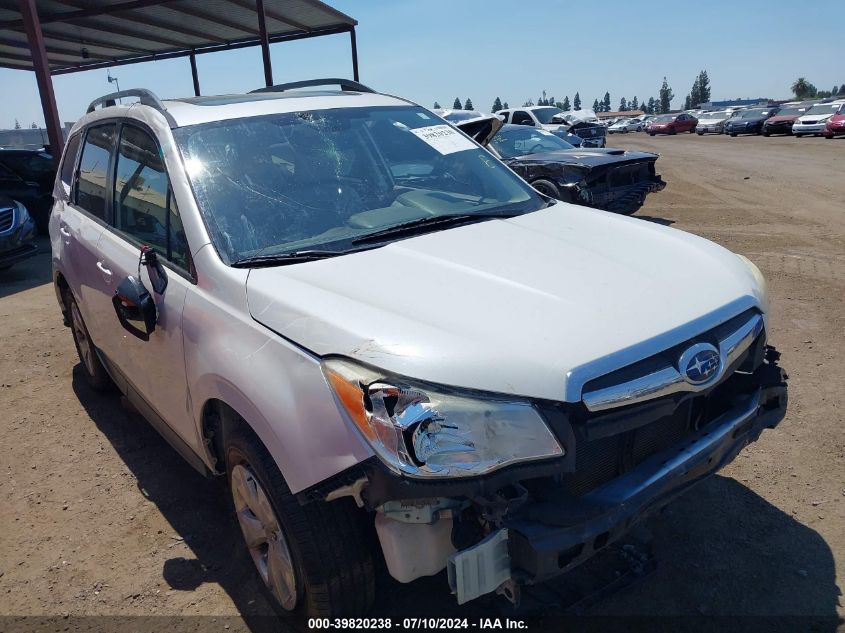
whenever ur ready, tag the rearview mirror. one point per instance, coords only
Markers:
(135, 308)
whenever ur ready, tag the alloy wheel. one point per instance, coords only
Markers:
(264, 537)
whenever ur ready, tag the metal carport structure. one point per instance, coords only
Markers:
(54, 37)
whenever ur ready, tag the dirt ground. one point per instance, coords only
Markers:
(98, 516)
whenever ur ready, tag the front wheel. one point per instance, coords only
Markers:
(651, 133)
(313, 559)
(700, 133)
(798, 135)
(95, 373)
(766, 133)
(547, 188)
(733, 133)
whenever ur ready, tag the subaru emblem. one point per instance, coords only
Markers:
(700, 364)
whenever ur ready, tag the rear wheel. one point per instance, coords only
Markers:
(651, 133)
(766, 133)
(95, 374)
(313, 559)
(700, 133)
(733, 133)
(798, 135)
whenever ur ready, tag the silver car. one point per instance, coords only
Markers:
(371, 326)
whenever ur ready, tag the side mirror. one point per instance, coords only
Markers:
(135, 308)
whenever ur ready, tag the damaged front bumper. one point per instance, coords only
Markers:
(626, 199)
(550, 537)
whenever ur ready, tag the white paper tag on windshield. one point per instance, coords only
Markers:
(444, 138)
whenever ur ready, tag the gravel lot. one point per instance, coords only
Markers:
(100, 517)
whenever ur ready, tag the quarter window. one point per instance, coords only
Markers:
(93, 170)
(144, 206)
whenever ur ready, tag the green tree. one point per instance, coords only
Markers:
(468, 104)
(666, 96)
(835, 90)
(436, 106)
(596, 105)
(497, 104)
(623, 105)
(17, 124)
(33, 126)
(606, 102)
(505, 106)
(528, 103)
(703, 87)
(687, 101)
(565, 105)
(552, 101)
(651, 108)
(457, 104)
(634, 104)
(802, 88)
(576, 102)
(841, 89)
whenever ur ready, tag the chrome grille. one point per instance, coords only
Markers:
(7, 219)
(659, 376)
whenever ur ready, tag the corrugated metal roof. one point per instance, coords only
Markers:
(80, 34)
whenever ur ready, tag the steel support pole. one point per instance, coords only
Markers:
(354, 42)
(32, 25)
(194, 74)
(265, 42)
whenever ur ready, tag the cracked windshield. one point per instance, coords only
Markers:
(321, 180)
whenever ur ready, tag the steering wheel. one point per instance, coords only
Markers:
(531, 151)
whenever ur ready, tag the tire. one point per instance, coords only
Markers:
(798, 135)
(547, 187)
(95, 373)
(700, 133)
(673, 131)
(733, 134)
(766, 133)
(328, 566)
(692, 130)
(651, 133)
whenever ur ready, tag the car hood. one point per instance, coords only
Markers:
(711, 121)
(588, 158)
(747, 120)
(529, 306)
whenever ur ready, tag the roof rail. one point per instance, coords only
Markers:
(346, 85)
(145, 97)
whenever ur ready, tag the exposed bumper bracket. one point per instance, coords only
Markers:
(481, 568)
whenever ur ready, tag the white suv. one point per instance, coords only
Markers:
(366, 321)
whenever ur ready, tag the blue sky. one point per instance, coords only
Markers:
(486, 48)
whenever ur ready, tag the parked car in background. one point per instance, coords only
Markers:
(781, 123)
(836, 124)
(673, 124)
(17, 233)
(750, 121)
(582, 123)
(624, 126)
(610, 179)
(27, 175)
(813, 122)
(711, 122)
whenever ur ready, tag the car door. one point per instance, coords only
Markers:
(81, 225)
(144, 213)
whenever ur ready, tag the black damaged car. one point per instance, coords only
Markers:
(610, 179)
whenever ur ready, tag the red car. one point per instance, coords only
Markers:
(672, 124)
(835, 124)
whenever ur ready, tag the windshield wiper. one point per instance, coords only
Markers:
(280, 259)
(422, 225)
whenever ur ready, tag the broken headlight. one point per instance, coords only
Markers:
(425, 431)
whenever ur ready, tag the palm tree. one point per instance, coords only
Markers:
(801, 88)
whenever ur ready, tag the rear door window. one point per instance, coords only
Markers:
(69, 161)
(93, 169)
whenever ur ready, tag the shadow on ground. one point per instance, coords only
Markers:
(656, 220)
(721, 549)
(29, 273)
